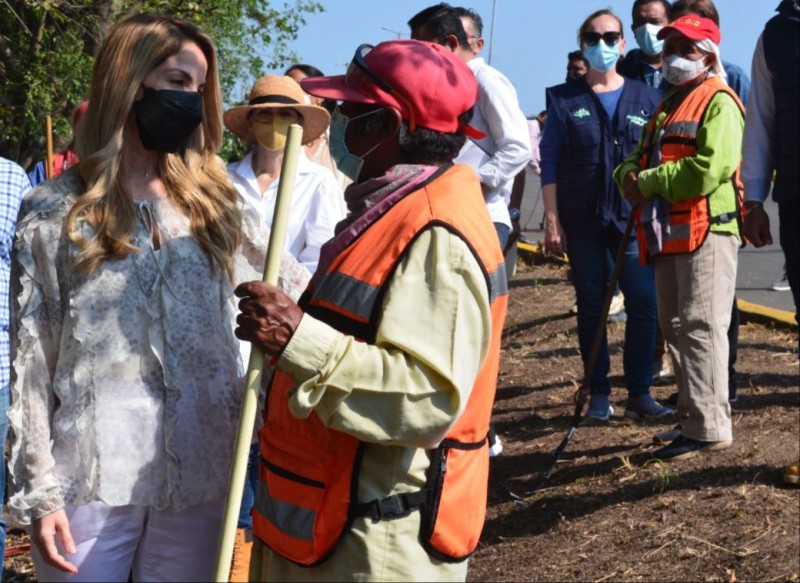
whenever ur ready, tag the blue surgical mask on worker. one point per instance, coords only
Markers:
(601, 57)
(679, 71)
(647, 39)
(348, 163)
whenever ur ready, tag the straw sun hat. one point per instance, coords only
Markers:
(278, 92)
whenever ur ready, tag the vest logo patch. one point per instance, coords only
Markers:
(582, 112)
(636, 120)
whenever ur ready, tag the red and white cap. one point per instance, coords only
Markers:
(693, 27)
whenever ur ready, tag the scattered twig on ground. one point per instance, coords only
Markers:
(671, 529)
(591, 539)
(666, 544)
(17, 550)
(785, 577)
(714, 546)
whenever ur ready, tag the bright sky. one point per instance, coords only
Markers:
(531, 37)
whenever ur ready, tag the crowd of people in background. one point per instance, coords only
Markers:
(132, 294)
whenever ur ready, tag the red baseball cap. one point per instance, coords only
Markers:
(427, 83)
(693, 27)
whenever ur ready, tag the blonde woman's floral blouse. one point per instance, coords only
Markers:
(127, 382)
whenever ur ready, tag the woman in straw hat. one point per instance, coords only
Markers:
(317, 200)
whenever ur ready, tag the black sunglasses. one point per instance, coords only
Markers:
(353, 81)
(592, 38)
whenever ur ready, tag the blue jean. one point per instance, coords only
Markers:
(503, 231)
(249, 494)
(3, 432)
(592, 259)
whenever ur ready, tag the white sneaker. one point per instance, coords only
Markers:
(617, 304)
(662, 373)
(497, 446)
(781, 285)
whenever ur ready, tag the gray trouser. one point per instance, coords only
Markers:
(694, 292)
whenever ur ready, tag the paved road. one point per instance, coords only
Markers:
(758, 268)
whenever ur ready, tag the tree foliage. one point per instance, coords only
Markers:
(47, 49)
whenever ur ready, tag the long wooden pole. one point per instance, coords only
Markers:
(256, 366)
(48, 161)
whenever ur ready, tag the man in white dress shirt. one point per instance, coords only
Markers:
(505, 150)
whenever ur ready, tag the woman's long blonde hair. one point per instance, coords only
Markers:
(195, 179)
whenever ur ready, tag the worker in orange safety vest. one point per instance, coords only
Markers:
(374, 451)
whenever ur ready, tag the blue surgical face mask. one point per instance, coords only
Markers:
(646, 39)
(348, 163)
(601, 57)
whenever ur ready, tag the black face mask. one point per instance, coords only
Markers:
(165, 118)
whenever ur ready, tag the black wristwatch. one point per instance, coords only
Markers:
(514, 213)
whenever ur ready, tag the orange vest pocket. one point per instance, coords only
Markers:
(452, 521)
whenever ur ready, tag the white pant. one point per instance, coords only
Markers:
(114, 541)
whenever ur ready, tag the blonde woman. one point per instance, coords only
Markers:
(127, 377)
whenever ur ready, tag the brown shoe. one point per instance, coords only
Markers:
(242, 548)
(792, 474)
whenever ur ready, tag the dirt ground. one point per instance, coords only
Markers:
(610, 512)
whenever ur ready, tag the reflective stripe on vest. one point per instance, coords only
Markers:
(308, 478)
(292, 519)
(681, 128)
(689, 220)
(356, 298)
(350, 296)
(498, 282)
(679, 231)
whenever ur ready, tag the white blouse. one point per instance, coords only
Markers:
(128, 381)
(317, 205)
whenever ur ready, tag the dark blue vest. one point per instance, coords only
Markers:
(592, 146)
(782, 52)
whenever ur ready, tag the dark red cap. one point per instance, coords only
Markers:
(693, 27)
(430, 85)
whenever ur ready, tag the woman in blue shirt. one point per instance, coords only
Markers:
(592, 125)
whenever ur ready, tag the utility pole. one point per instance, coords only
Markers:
(397, 32)
(491, 33)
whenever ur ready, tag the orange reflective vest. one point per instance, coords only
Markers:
(308, 477)
(690, 220)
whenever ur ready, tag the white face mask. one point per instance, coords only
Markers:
(679, 71)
